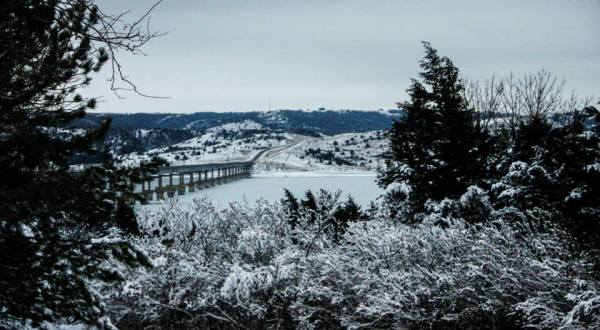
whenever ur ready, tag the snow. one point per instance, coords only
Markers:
(141, 132)
(239, 126)
(273, 151)
(383, 273)
(312, 174)
(593, 168)
(107, 240)
(399, 187)
(240, 284)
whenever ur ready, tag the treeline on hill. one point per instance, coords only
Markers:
(485, 223)
(312, 123)
(141, 132)
(121, 141)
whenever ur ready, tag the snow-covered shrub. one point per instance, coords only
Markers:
(203, 257)
(458, 276)
(396, 201)
(522, 186)
(238, 267)
(474, 205)
(523, 197)
(438, 213)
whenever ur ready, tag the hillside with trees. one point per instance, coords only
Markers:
(323, 121)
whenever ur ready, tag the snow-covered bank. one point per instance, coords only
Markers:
(311, 174)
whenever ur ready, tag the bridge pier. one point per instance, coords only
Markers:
(170, 189)
(181, 185)
(160, 193)
(199, 183)
(143, 192)
(191, 184)
(147, 191)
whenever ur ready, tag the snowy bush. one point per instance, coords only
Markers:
(238, 267)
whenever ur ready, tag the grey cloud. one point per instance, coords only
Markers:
(233, 55)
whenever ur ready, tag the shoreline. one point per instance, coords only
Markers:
(310, 174)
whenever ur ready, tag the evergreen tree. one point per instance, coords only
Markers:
(582, 207)
(438, 148)
(292, 207)
(326, 207)
(570, 154)
(348, 212)
(310, 204)
(554, 174)
(58, 222)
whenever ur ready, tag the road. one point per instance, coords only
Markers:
(265, 154)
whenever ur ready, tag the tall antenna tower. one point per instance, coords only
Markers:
(269, 103)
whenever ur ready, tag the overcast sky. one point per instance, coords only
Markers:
(235, 55)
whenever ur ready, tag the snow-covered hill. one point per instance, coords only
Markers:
(273, 150)
(342, 152)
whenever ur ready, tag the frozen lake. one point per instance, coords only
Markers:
(362, 187)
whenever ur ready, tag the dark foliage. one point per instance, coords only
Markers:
(327, 157)
(334, 216)
(563, 176)
(292, 208)
(57, 222)
(437, 148)
(312, 123)
(538, 170)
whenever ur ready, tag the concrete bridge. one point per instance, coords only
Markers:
(173, 180)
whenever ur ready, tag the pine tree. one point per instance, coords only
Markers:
(583, 200)
(353, 210)
(310, 204)
(571, 154)
(438, 148)
(57, 222)
(292, 207)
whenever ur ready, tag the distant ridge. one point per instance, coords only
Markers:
(327, 122)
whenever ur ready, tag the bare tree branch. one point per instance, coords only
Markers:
(113, 34)
(513, 100)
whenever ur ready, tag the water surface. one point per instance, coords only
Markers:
(362, 188)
